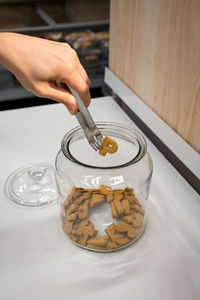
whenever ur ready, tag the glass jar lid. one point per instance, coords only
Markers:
(32, 186)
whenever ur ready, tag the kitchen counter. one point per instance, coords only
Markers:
(37, 261)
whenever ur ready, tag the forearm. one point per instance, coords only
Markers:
(5, 49)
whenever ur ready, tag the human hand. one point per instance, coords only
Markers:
(44, 66)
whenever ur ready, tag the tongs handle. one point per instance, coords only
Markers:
(83, 115)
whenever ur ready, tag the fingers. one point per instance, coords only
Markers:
(60, 65)
(77, 77)
(72, 72)
(60, 94)
(76, 81)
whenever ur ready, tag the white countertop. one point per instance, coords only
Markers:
(37, 261)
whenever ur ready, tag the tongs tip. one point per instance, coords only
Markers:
(83, 116)
(96, 141)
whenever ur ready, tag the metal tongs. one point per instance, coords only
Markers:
(83, 116)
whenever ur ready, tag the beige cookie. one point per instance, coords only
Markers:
(138, 220)
(96, 199)
(112, 245)
(84, 196)
(119, 207)
(129, 191)
(98, 241)
(133, 232)
(105, 190)
(76, 231)
(87, 230)
(110, 197)
(73, 237)
(77, 192)
(113, 209)
(83, 210)
(112, 233)
(128, 219)
(72, 208)
(126, 206)
(68, 227)
(123, 241)
(131, 199)
(96, 247)
(122, 227)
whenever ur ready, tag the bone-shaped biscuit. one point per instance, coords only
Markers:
(126, 228)
(123, 241)
(114, 210)
(106, 190)
(128, 219)
(112, 245)
(98, 241)
(126, 206)
(68, 227)
(87, 230)
(84, 196)
(71, 213)
(83, 210)
(96, 199)
(112, 233)
(119, 207)
(133, 232)
(118, 196)
(138, 220)
(96, 247)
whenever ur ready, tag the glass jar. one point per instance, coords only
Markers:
(102, 199)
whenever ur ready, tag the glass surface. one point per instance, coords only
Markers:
(32, 186)
(91, 187)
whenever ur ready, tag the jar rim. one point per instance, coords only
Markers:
(120, 130)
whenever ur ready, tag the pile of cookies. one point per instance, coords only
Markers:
(125, 208)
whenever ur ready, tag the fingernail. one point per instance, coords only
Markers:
(72, 110)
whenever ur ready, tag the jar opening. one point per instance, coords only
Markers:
(131, 147)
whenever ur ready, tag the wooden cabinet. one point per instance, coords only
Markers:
(155, 51)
